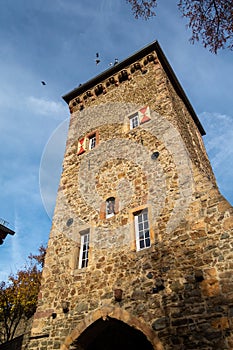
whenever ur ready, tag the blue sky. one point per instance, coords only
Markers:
(56, 41)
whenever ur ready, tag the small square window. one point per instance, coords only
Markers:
(88, 142)
(92, 141)
(134, 121)
(139, 117)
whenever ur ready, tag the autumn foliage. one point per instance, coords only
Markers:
(18, 296)
(210, 21)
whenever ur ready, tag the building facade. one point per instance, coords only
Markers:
(140, 249)
(5, 230)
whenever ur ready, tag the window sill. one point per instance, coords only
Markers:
(78, 271)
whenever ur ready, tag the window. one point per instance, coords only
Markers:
(92, 141)
(88, 142)
(134, 121)
(110, 207)
(142, 230)
(140, 117)
(84, 248)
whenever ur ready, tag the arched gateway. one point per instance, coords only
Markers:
(111, 334)
(111, 328)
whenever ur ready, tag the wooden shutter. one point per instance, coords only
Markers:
(144, 115)
(82, 145)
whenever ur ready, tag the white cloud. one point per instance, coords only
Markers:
(219, 138)
(219, 146)
(46, 107)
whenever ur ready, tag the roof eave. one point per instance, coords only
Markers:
(154, 46)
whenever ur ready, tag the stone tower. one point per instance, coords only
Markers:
(140, 250)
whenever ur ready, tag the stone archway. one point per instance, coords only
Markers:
(99, 329)
(111, 334)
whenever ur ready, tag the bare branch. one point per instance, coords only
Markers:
(143, 9)
(211, 22)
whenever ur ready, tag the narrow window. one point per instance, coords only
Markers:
(134, 121)
(142, 229)
(84, 248)
(110, 207)
(92, 141)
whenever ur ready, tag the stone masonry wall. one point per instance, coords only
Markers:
(179, 292)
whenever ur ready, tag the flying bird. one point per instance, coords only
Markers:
(43, 82)
(97, 60)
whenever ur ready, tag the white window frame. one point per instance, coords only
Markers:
(142, 229)
(84, 248)
(92, 141)
(134, 121)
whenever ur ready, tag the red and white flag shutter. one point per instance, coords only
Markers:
(82, 145)
(144, 115)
